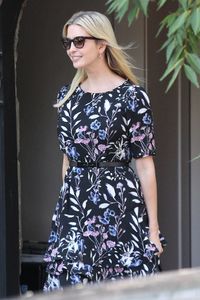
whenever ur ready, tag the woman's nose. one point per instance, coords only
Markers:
(72, 48)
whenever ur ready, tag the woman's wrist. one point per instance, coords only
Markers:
(153, 229)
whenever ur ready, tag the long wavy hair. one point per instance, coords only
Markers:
(99, 26)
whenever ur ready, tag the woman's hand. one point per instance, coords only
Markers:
(154, 238)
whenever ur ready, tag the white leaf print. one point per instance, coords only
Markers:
(66, 113)
(110, 189)
(134, 194)
(106, 105)
(74, 228)
(84, 204)
(72, 223)
(145, 267)
(68, 104)
(89, 211)
(134, 219)
(103, 205)
(63, 128)
(122, 126)
(136, 244)
(69, 216)
(130, 183)
(105, 196)
(136, 211)
(63, 133)
(73, 200)
(93, 116)
(142, 110)
(134, 228)
(136, 201)
(76, 115)
(77, 193)
(64, 120)
(135, 238)
(74, 107)
(74, 208)
(146, 97)
(77, 122)
(125, 121)
(72, 191)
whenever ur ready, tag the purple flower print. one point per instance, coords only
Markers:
(60, 267)
(102, 147)
(95, 125)
(110, 244)
(83, 128)
(91, 231)
(82, 141)
(90, 221)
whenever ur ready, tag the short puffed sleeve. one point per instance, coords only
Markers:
(140, 123)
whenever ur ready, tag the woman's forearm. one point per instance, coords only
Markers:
(65, 166)
(146, 173)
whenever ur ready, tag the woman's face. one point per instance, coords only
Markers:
(86, 56)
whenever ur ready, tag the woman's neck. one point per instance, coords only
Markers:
(101, 79)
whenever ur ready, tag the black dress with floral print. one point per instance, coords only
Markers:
(100, 224)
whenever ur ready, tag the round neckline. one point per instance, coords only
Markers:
(109, 91)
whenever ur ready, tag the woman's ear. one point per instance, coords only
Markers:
(102, 47)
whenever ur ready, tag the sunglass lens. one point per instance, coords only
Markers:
(79, 42)
(66, 44)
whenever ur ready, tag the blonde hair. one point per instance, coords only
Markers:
(99, 26)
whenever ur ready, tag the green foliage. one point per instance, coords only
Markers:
(183, 34)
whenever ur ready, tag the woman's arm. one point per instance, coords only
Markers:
(146, 173)
(65, 165)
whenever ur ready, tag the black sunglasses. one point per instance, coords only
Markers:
(78, 41)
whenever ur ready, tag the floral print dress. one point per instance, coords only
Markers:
(100, 224)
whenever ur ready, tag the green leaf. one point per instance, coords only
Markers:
(113, 4)
(178, 23)
(173, 78)
(191, 75)
(195, 20)
(166, 43)
(171, 68)
(180, 37)
(144, 5)
(194, 61)
(195, 158)
(177, 55)
(193, 44)
(169, 19)
(170, 49)
(122, 9)
(133, 14)
(183, 3)
(161, 3)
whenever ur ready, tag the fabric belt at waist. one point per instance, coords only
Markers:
(101, 164)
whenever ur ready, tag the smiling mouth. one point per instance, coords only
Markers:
(75, 58)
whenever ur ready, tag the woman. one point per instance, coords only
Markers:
(105, 224)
